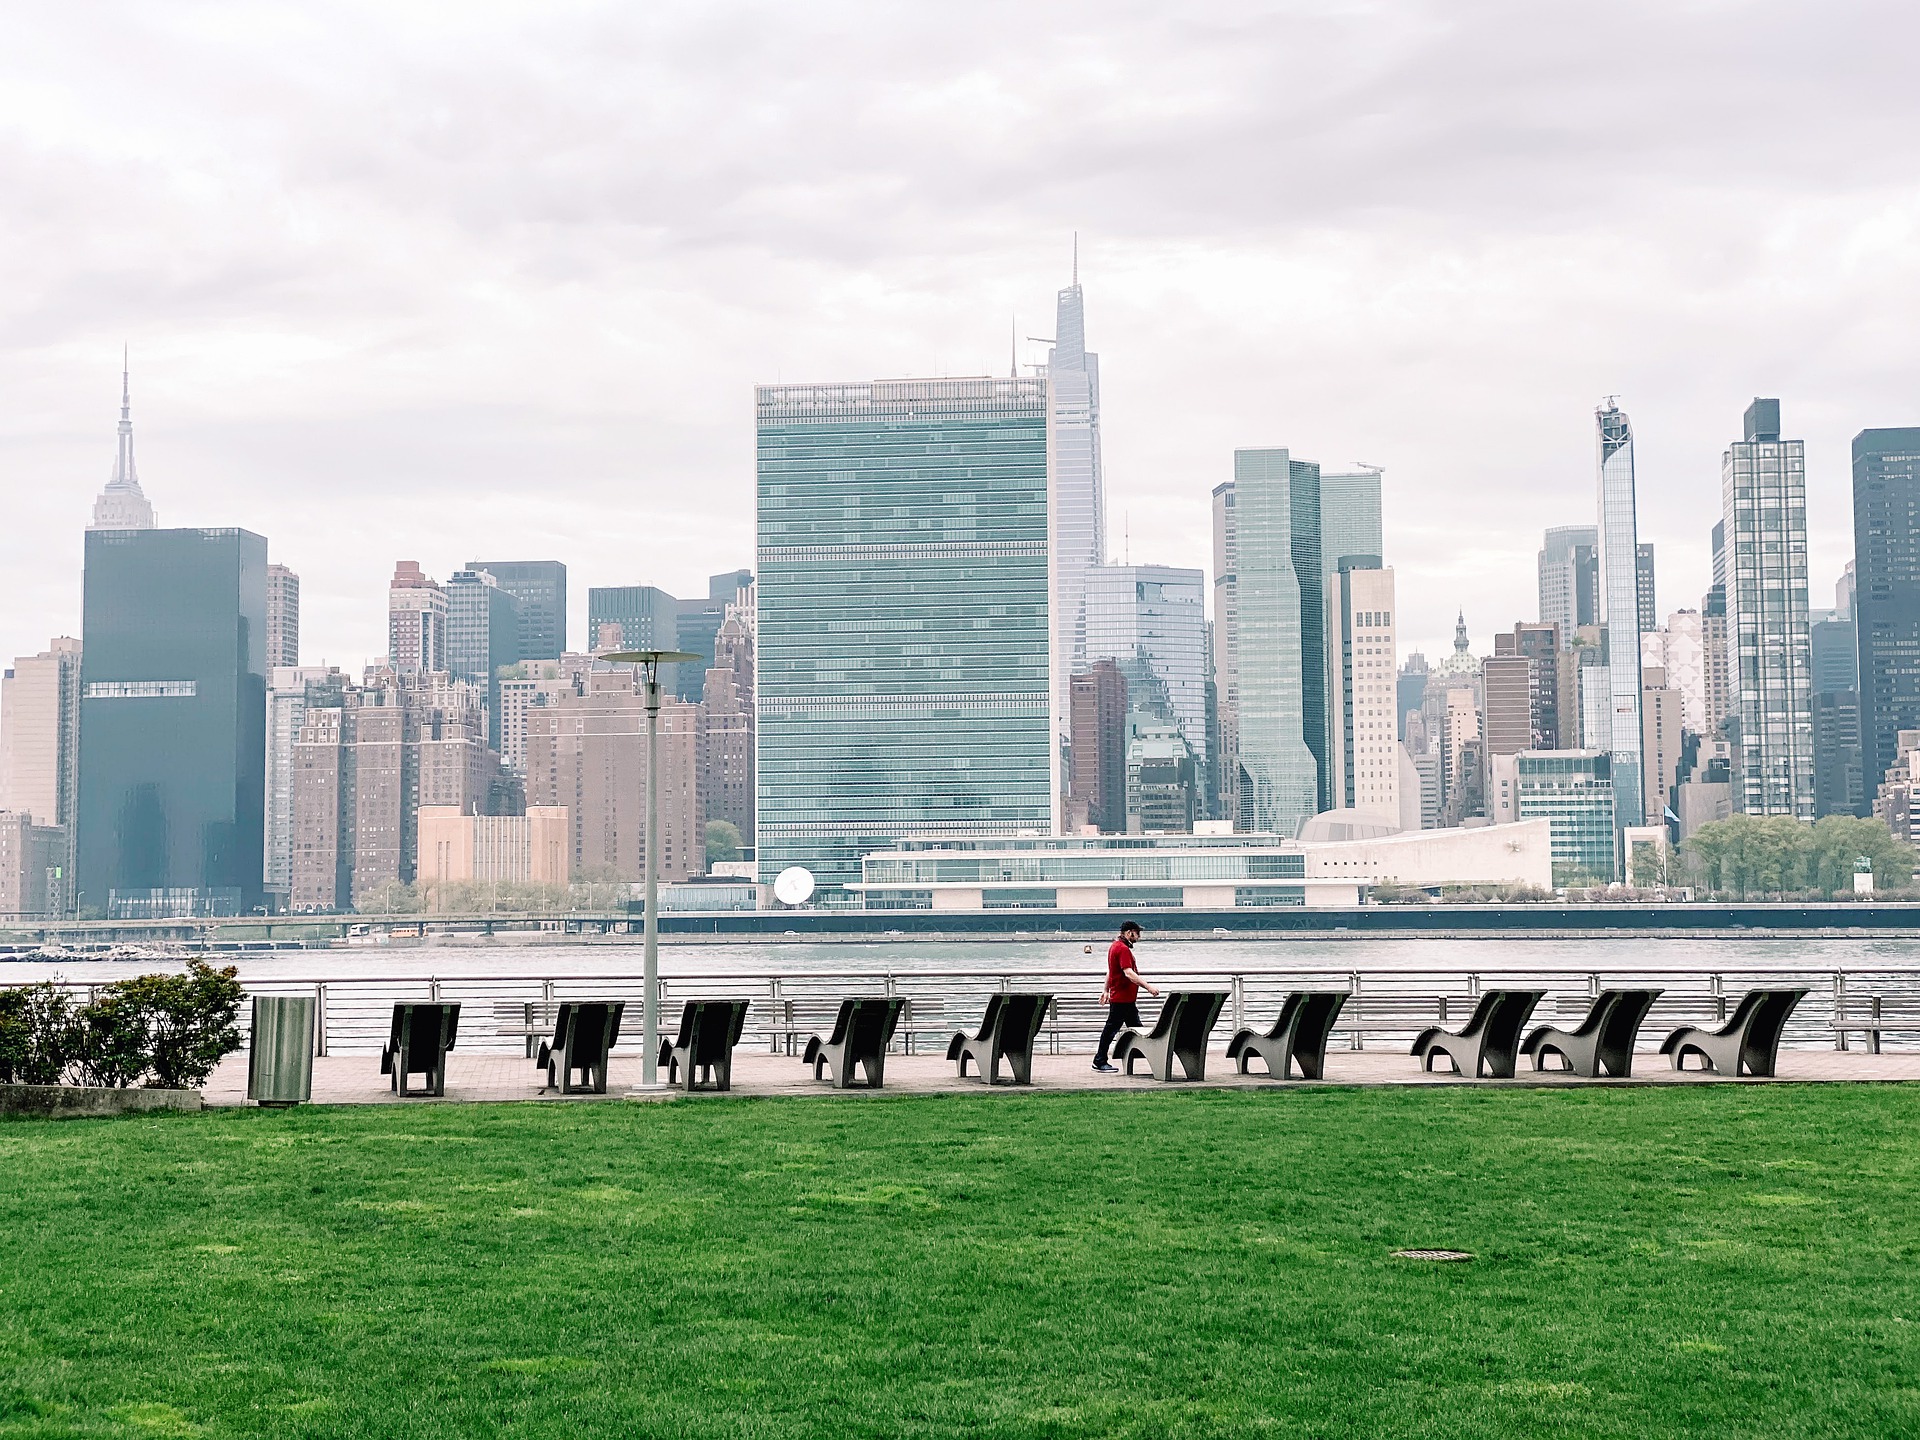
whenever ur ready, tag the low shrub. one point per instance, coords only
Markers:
(112, 1035)
(166, 1031)
(1495, 895)
(39, 1034)
(190, 1021)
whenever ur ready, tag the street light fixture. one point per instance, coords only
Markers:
(650, 662)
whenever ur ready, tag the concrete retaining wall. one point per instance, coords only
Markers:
(75, 1102)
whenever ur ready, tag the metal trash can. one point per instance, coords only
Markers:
(280, 1053)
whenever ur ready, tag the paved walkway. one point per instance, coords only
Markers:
(356, 1079)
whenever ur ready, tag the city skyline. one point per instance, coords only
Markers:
(321, 393)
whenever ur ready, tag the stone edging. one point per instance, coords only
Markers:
(67, 1102)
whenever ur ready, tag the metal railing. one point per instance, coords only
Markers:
(502, 1014)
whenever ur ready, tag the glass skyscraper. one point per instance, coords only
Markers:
(647, 616)
(1073, 468)
(1151, 621)
(1620, 608)
(1277, 600)
(1325, 519)
(541, 588)
(1570, 579)
(173, 713)
(1763, 495)
(904, 636)
(483, 635)
(1886, 548)
(1349, 519)
(1226, 675)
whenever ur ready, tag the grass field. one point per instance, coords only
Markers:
(1721, 1260)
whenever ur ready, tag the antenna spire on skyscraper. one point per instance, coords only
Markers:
(1076, 257)
(122, 505)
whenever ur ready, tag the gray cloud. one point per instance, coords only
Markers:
(434, 283)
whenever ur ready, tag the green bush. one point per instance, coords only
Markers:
(167, 1031)
(190, 1021)
(39, 1034)
(112, 1040)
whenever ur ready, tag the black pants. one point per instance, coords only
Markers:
(1119, 1017)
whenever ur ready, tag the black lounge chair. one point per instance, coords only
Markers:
(1490, 1044)
(584, 1034)
(709, 1029)
(1298, 1036)
(1186, 1020)
(1604, 1041)
(1006, 1033)
(1749, 1042)
(418, 1043)
(861, 1033)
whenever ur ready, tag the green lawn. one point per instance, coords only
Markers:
(1716, 1260)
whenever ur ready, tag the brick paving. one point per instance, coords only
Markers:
(494, 1077)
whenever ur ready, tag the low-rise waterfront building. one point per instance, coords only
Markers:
(1573, 791)
(1195, 872)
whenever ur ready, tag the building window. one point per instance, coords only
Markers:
(141, 690)
(1020, 899)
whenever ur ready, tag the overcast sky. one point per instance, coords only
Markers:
(442, 282)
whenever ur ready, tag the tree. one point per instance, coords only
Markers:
(1837, 842)
(1652, 867)
(723, 840)
(394, 897)
(1775, 855)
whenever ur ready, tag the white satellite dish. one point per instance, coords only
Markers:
(793, 885)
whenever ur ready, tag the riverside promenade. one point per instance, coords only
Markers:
(493, 1078)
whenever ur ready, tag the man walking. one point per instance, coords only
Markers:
(1123, 989)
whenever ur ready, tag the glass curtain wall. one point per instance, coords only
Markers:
(904, 637)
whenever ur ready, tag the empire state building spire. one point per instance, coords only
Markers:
(122, 505)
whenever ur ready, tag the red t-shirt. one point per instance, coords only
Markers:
(1120, 990)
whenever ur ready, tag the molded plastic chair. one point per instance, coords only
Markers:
(418, 1042)
(1298, 1036)
(1007, 1033)
(861, 1033)
(709, 1029)
(1749, 1042)
(584, 1034)
(1604, 1040)
(1186, 1020)
(1490, 1043)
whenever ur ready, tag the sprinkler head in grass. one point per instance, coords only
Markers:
(1432, 1255)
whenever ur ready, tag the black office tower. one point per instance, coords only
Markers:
(541, 588)
(1886, 554)
(173, 709)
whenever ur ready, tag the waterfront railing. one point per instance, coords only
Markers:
(1867, 1008)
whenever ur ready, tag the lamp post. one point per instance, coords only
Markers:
(650, 662)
